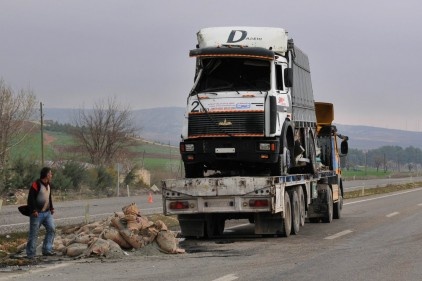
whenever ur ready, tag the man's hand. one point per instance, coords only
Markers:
(35, 214)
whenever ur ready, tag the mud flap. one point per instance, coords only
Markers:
(267, 223)
(192, 225)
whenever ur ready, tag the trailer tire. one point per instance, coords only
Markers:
(302, 209)
(338, 206)
(294, 199)
(286, 222)
(328, 218)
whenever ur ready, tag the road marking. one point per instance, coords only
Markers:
(420, 204)
(381, 197)
(229, 277)
(13, 276)
(392, 214)
(338, 234)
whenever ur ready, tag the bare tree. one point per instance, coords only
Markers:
(15, 112)
(378, 161)
(105, 130)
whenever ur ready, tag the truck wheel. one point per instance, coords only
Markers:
(328, 218)
(294, 199)
(286, 223)
(194, 171)
(338, 206)
(302, 209)
(282, 166)
(311, 153)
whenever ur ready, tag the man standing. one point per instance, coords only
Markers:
(41, 213)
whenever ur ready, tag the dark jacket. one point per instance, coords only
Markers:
(32, 197)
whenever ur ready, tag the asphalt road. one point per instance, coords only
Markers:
(79, 211)
(359, 184)
(378, 238)
(74, 212)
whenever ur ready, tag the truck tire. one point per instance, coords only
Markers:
(294, 199)
(338, 206)
(286, 222)
(311, 154)
(282, 166)
(285, 159)
(194, 171)
(302, 203)
(328, 218)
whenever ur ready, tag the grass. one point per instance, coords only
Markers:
(372, 173)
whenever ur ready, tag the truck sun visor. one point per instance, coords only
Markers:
(247, 52)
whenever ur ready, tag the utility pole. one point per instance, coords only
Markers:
(42, 135)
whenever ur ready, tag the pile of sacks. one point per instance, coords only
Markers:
(123, 231)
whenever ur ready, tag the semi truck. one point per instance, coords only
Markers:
(274, 152)
(251, 108)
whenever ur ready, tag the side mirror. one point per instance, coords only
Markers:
(288, 77)
(344, 147)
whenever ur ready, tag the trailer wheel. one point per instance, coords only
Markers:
(328, 218)
(295, 212)
(286, 222)
(338, 206)
(302, 210)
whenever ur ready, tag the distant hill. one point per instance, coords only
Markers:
(164, 124)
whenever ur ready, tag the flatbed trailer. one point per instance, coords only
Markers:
(277, 205)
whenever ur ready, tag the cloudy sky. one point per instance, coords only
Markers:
(365, 56)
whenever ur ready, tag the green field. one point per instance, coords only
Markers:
(372, 173)
(58, 146)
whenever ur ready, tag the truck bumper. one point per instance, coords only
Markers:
(217, 153)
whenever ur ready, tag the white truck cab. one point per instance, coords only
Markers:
(251, 108)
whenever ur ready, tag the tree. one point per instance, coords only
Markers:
(104, 131)
(378, 160)
(15, 112)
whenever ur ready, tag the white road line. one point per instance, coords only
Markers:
(13, 276)
(338, 234)
(229, 277)
(420, 204)
(385, 196)
(392, 214)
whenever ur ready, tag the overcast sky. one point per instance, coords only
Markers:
(365, 56)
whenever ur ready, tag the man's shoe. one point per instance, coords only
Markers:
(49, 254)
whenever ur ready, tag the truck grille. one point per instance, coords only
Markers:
(222, 124)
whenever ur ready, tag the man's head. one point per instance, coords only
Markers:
(46, 174)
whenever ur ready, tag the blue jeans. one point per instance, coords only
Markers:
(47, 220)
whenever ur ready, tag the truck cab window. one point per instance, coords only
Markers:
(279, 77)
(234, 74)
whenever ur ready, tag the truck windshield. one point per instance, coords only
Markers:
(236, 74)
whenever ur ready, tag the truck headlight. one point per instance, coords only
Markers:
(189, 147)
(264, 146)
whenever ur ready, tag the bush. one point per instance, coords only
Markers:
(105, 178)
(76, 172)
(23, 172)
